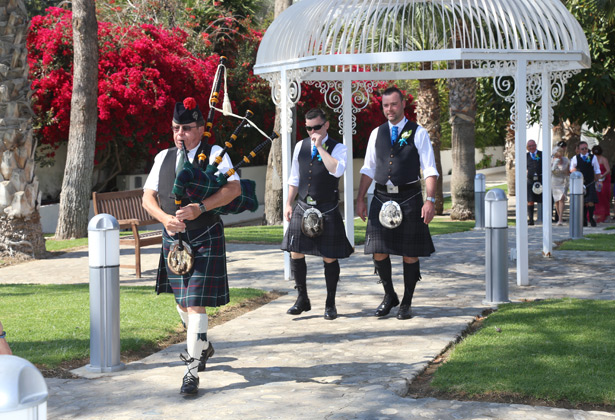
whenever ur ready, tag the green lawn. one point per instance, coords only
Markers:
(555, 350)
(590, 242)
(49, 324)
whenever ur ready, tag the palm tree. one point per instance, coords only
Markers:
(20, 226)
(462, 103)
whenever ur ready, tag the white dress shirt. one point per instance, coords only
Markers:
(153, 178)
(338, 153)
(421, 141)
(595, 164)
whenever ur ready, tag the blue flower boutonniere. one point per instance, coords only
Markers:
(403, 140)
(324, 147)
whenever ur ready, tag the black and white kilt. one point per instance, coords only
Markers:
(591, 196)
(207, 283)
(410, 239)
(531, 197)
(332, 243)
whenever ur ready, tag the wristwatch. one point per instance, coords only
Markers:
(3, 334)
(202, 208)
(433, 200)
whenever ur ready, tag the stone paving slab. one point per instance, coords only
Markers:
(272, 365)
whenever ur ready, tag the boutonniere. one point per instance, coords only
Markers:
(326, 147)
(403, 140)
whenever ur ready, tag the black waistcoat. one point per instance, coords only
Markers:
(586, 168)
(400, 164)
(314, 177)
(165, 188)
(534, 166)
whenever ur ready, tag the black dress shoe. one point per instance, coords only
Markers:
(404, 312)
(330, 312)
(301, 305)
(190, 384)
(206, 354)
(389, 301)
(592, 222)
(530, 222)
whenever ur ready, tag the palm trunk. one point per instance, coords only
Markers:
(428, 116)
(462, 94)
(77, 182)
(20, 227)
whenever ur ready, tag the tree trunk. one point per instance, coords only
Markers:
(274, 186)
(20, 227)
(571, 135)
(428, 116)
(509, 156)
(77, 182)
(462, 100)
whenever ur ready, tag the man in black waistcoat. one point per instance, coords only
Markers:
(587, 163)
(534, 174)
(207, 283)
(396, 152)
(318, 163)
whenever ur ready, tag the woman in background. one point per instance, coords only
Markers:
(603, 187)
(559, 181)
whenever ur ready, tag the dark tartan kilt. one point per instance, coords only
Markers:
(591, 196)
(333, 242)
(207, 283)
(531, 197)
(410, 239)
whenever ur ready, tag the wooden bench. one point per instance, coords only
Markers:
(127, 208)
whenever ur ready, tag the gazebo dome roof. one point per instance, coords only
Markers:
(398, 35)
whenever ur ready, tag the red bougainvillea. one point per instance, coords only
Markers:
(143, 71)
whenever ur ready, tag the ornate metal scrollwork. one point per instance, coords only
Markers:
(293, 90)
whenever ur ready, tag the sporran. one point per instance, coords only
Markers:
(312, 223)
(390, 215)
(180, 260)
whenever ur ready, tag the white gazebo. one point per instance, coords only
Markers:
(530, 48)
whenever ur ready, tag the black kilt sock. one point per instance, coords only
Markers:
(332, 276)
(384, 271)
(412, 274)
(530, 212)
(299, 270)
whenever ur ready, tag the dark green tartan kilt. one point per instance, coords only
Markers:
(332, 243)
(410, 239)
(207, 283)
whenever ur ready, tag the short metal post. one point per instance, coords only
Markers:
(23, 390)
(479, 201)
(104, 253)
(496, 247)
(576, 205)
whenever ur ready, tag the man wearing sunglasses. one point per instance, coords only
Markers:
(395, 154)
(534, 174)
(587, 163)
(207, 283)
(318, 163)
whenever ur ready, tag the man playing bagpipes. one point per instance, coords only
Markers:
(316, 226)
(205, 283)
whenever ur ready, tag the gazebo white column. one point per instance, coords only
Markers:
(348, 180)
(547, 243)
(286, 129)
(520, 172)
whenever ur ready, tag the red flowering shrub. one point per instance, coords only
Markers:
(143, 71)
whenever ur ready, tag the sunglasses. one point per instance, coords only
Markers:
(186, 128)
(315, 128)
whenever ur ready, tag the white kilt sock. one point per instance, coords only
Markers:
(184, 316)
(196, 339)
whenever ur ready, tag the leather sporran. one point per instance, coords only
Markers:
(390, 215)
(180, 260)
(312, 223)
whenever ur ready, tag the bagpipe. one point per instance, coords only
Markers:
(197, 182)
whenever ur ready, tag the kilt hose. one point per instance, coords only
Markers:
(207, 283)
(410, 239)
(531, 197)
(332, 243)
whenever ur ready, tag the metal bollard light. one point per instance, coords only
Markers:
(496, 247)
(576, 205)
(104, 253)
(23, 390)
(479, 201)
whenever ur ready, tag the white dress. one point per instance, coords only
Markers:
(559, 177)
